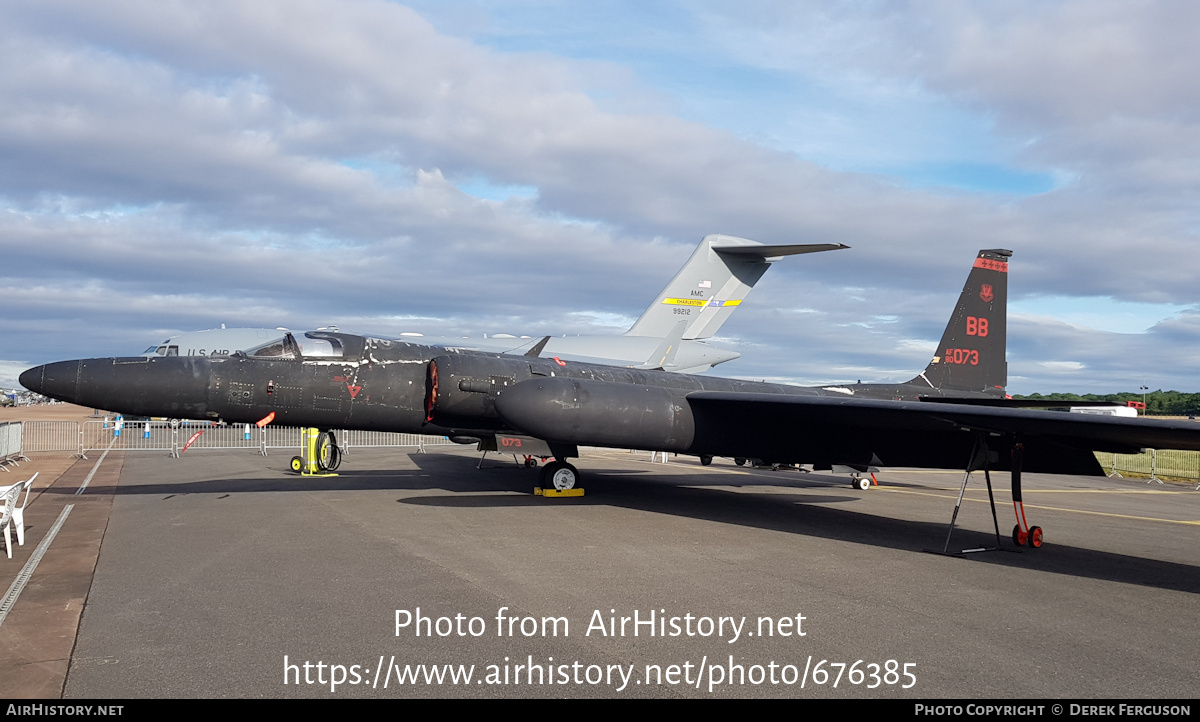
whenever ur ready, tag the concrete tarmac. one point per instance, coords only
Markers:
(223, 575)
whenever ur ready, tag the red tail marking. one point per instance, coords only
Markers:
(1001, 266)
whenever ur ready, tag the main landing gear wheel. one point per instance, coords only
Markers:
(861, 483)
(297, 464)
(739, 461)
(560, 475)
(705, 460)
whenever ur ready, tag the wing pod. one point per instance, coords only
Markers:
(600, 413)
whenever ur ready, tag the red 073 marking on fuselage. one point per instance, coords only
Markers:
(962, 356)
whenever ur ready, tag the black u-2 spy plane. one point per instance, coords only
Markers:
(345, 381)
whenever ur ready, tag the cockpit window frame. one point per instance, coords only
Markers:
(347, 348)
(287, 349)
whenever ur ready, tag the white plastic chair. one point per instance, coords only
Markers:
(6, 513)
(13, 513)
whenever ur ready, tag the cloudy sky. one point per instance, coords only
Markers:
(534, 167)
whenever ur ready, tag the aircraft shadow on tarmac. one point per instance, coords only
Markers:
(687, 495)
(808, 515)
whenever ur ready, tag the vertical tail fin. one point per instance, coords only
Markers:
(713, 282)
(971, 355)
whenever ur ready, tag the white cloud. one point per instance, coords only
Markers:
(1057, 366)
(282, 162)
(9, 373)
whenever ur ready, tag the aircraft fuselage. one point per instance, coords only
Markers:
(383, 385)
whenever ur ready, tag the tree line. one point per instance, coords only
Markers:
(1160, 403)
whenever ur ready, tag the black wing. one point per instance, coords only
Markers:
(824, 430)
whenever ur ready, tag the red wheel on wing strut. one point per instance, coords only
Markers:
(1035, 537)
(1020, 536)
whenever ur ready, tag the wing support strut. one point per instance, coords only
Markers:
(1022, 534)
(981, 455)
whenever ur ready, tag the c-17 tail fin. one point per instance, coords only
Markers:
(714, 281)
(971, 355)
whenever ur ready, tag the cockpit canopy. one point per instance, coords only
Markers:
(278, 348)
(309, 345)
(320, 345)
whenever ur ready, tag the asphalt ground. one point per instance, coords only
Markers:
(222, 575)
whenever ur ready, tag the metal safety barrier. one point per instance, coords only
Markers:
(1151, 464)
(175, 437)
(203, 435)
(356, 439)
(280, 437)
(64, 437)
(11, 444)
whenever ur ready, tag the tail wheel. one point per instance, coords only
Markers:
(530, 462)
(1020, 536)
(1035, 537)
(297, 464)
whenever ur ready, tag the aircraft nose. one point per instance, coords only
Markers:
(32, 379)
(58, 380)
